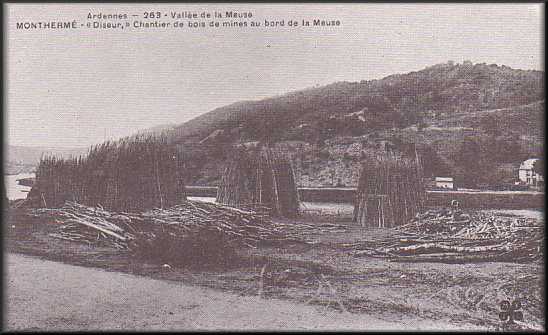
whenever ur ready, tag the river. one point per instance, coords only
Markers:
(13, 189)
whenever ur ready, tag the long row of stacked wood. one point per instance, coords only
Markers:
(454, 236)
(140, 172)
(190, 232)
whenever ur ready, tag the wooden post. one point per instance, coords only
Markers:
(44, 200)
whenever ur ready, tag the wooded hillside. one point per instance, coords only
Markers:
(444, 110)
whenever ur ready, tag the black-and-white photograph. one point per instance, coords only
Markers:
(273, 167)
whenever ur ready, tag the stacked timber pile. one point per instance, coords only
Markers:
(261, 177)
(443, 221)
(140, 172)
(192, 231)
(390, 192)
(452, 236)
(91, 224)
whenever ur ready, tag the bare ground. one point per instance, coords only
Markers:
(304, 287)
(48, 295)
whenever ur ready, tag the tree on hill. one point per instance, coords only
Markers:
(432, 163)
(326, 129)
(266, 129)
(491, 125)
(502, 149)
(538, 167)
(509, 149)
(469, 160)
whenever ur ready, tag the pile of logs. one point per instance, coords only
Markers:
(91, 224)
(451, 236)
(478, 225)
(194, 223)
(240, 226)
(442, 221)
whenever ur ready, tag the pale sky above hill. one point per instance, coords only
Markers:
(77, 87)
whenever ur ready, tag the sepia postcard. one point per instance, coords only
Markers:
(273, 167)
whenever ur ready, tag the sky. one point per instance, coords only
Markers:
(69, 88)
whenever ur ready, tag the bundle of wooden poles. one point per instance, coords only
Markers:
(447, 235)
(390, 191)
(135, 173)
(81, 223)
(89, 225)
(191, 230)
(260, 176)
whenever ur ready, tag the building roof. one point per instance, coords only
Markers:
(528, 164)
(444, 178)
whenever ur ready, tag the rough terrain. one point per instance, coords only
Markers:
(302, 287)
(45, 295)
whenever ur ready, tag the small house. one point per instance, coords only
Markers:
(527, 174)
(445, 182)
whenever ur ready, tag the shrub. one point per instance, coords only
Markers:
(205, 249)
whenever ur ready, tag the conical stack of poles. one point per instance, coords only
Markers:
(390, 191)
(260, 177)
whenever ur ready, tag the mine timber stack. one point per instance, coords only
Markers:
(390, 192)
(260, 176)
(136, 173)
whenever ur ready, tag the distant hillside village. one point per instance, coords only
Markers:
(527, 175)
(528, 178)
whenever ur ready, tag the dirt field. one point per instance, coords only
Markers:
(323, 285)
(54, 296)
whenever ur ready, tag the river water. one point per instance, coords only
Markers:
(13, 189)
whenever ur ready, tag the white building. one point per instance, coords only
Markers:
(445, 182)
(527, 175)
